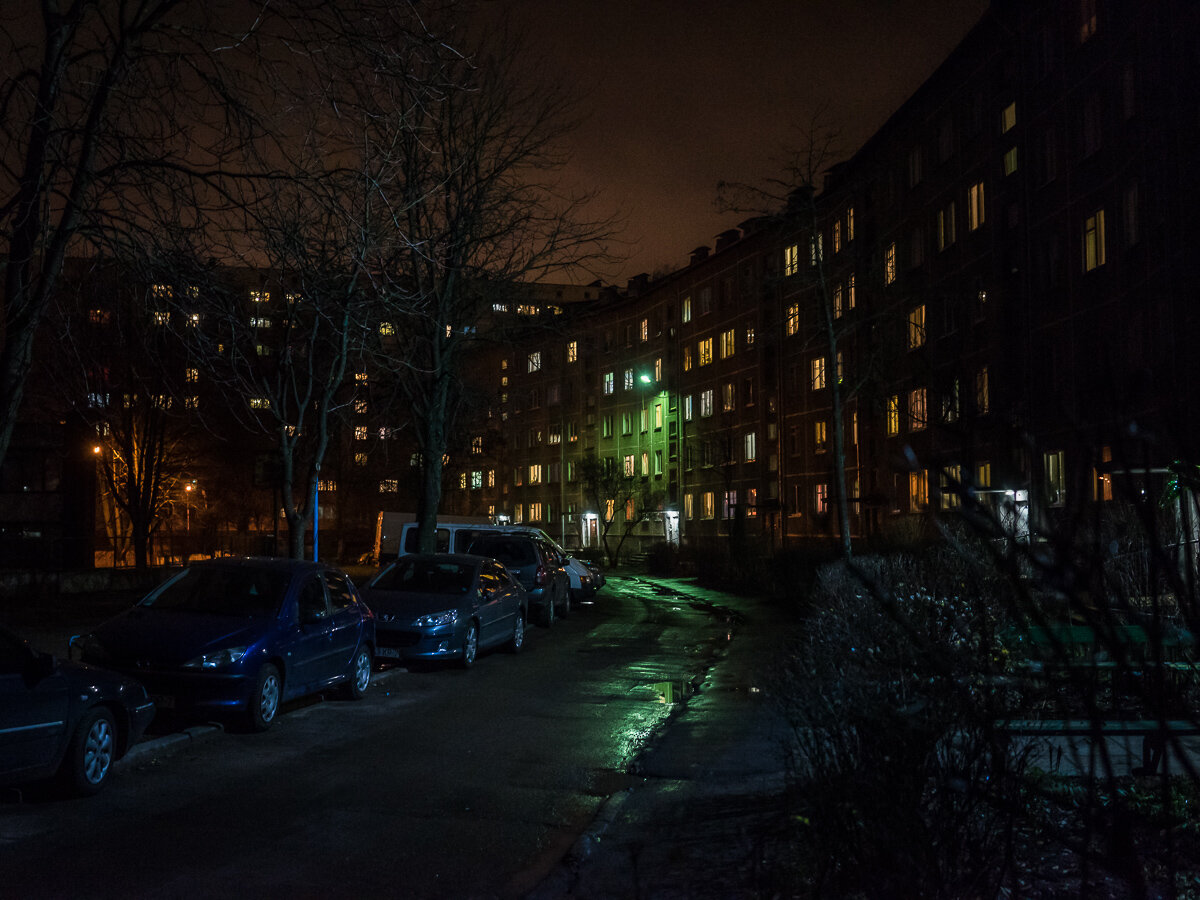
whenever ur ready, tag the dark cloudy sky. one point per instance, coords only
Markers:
(683, 93)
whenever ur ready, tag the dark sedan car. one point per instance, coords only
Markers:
(535, 565)
(241, 636)
(446, 606)
(64, 717)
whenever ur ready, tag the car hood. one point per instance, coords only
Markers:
(407, 605)
(173, 637)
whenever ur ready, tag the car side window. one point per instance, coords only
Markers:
(489, 580)
(340, 594)
(313, 604)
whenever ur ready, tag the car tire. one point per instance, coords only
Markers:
(517, 641)
(360, 675)
(264, 699)
(549, 612)
(470, 646)
(93, 750)
(566, 603)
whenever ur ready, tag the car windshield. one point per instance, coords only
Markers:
(224, 591)
(425, 576)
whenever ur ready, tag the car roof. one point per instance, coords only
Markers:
(463, 559)
(269, 563)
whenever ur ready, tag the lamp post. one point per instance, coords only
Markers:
(187, 505)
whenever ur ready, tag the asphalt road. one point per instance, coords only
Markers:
(441, 783)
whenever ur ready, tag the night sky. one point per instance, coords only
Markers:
(683, 93)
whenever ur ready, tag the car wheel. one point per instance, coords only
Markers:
(360, 675)
(566, 604)
(517, 641)
(89, 759)
(264, 701)
(470, 646)
(549, 612)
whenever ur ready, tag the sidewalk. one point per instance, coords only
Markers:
(707, 796)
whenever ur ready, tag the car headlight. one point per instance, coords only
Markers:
(216, 660)
(447, 617)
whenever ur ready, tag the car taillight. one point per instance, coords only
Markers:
(541, 576)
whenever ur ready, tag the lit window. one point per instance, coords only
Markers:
(850, 292)
(707, 505)
(260, 322)
(688, 505)
(816, 250)
(1054, 466)
(191, 376)
(918, 489)
(193, 320)
(951, 479)
(389, 486)
(360, 459)
(360, 432)
(260, 297)
(360, 377)
(817, 373)
(161, 291)
(751, 502)
(893, 414)
(572, 351)
(534, 361)
(729, 505)
(629, 464)
(192, 402)
(706, 403)
(645, 330)
(260, 403)
(850, 223)
(687, 408)
(916, 327)
(1010, 161)
(645, 464)
(820, 436)
(477, 444)
(688, 359)
(609, 383)
(728, 343)
(658, 368)
(327, 484)
(658, 416)
(728, 398)
(793, 319)
(750, 335)
(982, 392)
(1008, 117)
(162, 317)
(1093, 241)
(976, 207)
(360, 407)
(706, 351)
(916, 410)
(535, 512)
(889, 264)
(686, 309)
(476, 479)
(983, 475)
(629, 379)
(535, 474)
(837, 236)
(750, 446)
(791, 259)
(822, 498)
(837, 300)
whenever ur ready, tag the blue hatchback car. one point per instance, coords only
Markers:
(239, 636)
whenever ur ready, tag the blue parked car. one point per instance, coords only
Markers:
(62, 718)
(240, 636)
(444, 606)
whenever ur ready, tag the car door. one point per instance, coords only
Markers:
(345, 623)
(493, 603)
(33, 708)
(310, 656)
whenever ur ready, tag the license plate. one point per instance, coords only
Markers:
(163, 701)
(389, 652)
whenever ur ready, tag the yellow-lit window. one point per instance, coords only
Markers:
(793, 319)
(1093, 241)
(260, 403)
(389, 486)
(360, 459)
(837, 236)
(983, 475)
(916, 410)
(161, 291)
(820, 436)
(850, 223)
(572, 351)
(687, 358)
(791, 259)
(893, 414)
(161, 317)
(360, 432)
(951, 478)
(706, 351)
(837, 300)
(976, 206)
(1010, 161)
(916, 327)
(889, 264)
(1008, 117)
(708, 507)
(918, 489)
(387, 328)
(850, 292)
(260, 297)
(728, 343)
(817, 373)
(191, 376)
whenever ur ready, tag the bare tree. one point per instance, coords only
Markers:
(473, 210)
(611, 490)
(100, 101)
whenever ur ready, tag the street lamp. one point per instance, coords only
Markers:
(187, 506)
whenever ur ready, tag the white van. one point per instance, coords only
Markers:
(396, 534)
